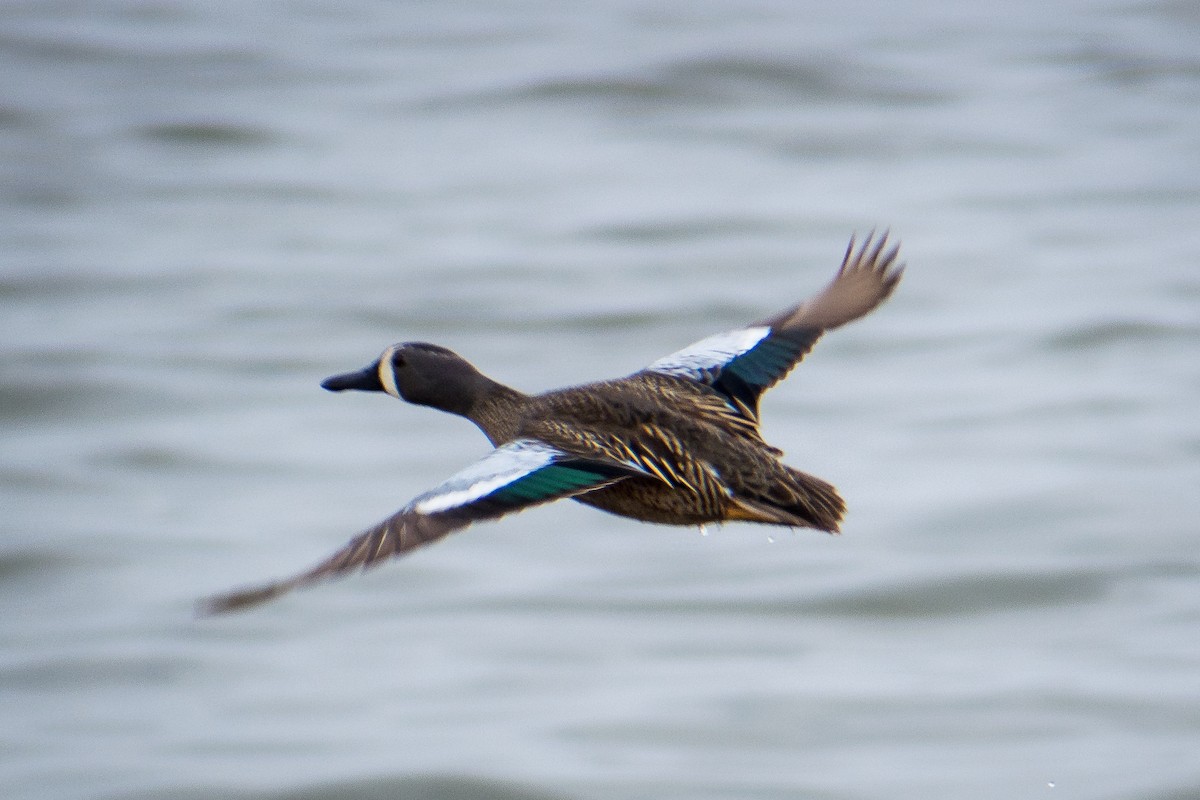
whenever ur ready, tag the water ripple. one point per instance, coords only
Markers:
(415, 787)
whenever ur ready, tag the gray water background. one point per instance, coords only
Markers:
(206, 207)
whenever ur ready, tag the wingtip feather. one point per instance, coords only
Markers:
(241, 599)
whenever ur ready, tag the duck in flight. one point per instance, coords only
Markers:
(676, 443)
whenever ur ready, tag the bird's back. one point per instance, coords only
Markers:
(703, 460)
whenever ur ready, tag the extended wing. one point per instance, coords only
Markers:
(513, 477)
(742, 364)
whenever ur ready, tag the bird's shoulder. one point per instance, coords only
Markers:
(623, 414)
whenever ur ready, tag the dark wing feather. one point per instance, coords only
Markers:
(742, 364)
(514, 476)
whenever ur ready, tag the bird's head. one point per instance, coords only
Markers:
(418, 372)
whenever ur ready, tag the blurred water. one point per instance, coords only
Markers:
(208, 207)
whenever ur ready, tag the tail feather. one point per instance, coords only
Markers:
(820, 501)
(798, 500)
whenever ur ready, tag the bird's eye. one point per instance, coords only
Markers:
(398, 361)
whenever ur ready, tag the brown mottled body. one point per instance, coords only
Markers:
(684, 433)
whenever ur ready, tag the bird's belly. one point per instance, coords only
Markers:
(652, 501)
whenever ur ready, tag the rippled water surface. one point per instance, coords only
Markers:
(205, 208)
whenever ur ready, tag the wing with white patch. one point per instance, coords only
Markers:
(743, 364)
(514, 476)
(739, 364)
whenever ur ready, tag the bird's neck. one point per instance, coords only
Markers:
(497, 411)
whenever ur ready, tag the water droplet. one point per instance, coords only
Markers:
(704, 530)
(770, 540)
(1050, 784)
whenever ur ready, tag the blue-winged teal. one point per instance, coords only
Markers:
(676, 443)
